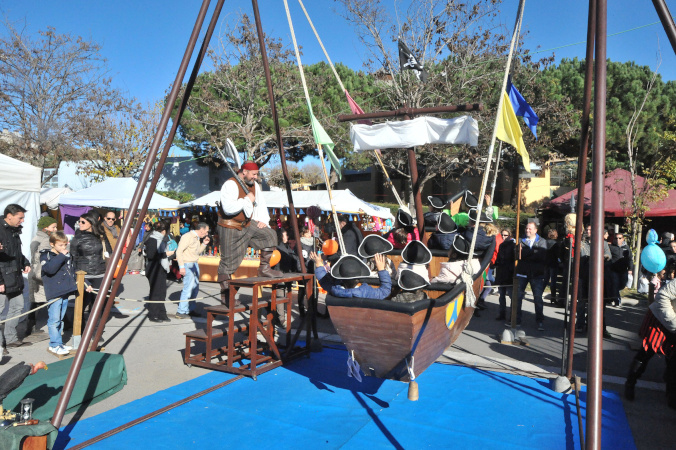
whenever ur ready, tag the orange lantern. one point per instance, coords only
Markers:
(330, 247)
(275, 258)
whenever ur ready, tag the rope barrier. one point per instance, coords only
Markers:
(30, 311)
(339, 233)
(161, 301)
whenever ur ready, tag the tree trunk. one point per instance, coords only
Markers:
(637, 257)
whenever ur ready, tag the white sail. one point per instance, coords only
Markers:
(418, 131)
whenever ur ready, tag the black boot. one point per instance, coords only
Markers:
(224, 281)
(264, 270)
(635, 371)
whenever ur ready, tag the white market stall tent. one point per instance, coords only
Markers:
(50, 196)
(115, 193)
(20, 183)
(344, 200)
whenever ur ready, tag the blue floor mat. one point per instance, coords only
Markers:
(312, 402)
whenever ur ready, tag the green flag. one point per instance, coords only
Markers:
(323, 139)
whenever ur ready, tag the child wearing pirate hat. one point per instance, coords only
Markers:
(446, 230)
(343, 280)
(372, 245)
(457, 259)
(436, 208)
(405, 230)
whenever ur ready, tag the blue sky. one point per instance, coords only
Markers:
(144, 40)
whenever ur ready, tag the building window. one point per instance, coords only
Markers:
(53, 182)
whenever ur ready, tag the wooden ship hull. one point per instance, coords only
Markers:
(387, 337)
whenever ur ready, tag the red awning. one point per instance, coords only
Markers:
(617, 196)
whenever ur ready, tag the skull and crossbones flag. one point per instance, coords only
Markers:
(408, 61)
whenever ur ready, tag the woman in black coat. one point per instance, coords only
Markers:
(89, 249)
(504, 271)
(157, 267)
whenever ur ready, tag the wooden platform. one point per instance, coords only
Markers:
(261, 355)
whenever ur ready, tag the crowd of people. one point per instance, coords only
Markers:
(244, 222)
(55, 259)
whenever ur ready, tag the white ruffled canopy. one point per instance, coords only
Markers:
(418, 131)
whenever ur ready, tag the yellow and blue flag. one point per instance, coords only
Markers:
(522, 108)
(509, 130)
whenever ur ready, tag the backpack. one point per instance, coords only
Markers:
(36, 267)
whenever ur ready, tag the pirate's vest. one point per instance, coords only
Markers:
(239, 220)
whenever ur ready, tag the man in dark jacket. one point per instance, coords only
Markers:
(531, 269)
(13, 264)
(621, 265)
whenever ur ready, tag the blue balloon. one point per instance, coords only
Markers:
(653, 258)
(652, 237)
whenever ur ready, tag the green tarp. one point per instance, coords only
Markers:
(101, 376)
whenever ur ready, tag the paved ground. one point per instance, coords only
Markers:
(154, 353)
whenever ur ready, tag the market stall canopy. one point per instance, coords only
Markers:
(344, 200)
(50, 196)
(19, 176)
(114, 193)
(20, 183)
(618, 199)
(414, 132)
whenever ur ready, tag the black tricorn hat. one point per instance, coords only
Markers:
(461, 245)
(416, 252)
(483, 219)
(410, 281)
(373, 244)
(436, 202)
(470, 200)
(404, 218)
(446, 224)
(349, 267)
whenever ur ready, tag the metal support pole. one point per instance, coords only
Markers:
(411, 112)
(667, 21)
(158, 172)
(595, 364)
(581, 178)
(516, 302)
(565, 311)
(278, 133)
(145, 174)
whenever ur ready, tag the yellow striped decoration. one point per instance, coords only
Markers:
(453, 309)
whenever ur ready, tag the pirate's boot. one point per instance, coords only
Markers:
(224, 281)
(264, 270)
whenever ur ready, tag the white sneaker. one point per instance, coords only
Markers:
(66, 347)
(58, 350)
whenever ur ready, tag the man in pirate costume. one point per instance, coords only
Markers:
(242, 223)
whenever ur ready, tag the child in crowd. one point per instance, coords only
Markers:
(58, 277)
(343, 281)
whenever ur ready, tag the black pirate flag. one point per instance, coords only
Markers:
(408, 61)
